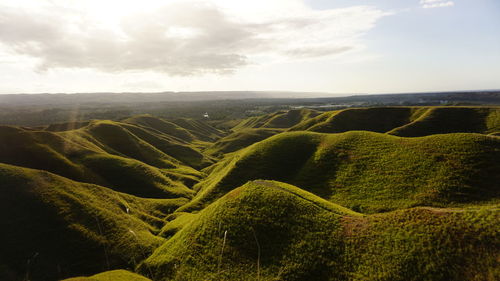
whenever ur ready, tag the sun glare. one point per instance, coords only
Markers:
(112, 11)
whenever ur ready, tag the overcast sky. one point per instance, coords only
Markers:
(338, 46)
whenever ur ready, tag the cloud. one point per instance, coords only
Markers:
(428, 4)
(181, 37)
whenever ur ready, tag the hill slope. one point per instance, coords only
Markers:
(280, 119)
(366, 171)
(273, 200)
(273, 231)
(118, 275)
(449, 120)
(62, 227)
(87, 157)
(240, 139)
(147, 144)
(406, 121)
(378, 119)
(184, 129)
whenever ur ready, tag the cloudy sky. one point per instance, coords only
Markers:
(338, 46)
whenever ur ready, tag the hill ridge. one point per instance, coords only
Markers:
(331, 163)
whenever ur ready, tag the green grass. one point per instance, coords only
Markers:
(273, 217)
(240, 139)
(406, 121)
(114, 275)
(424, 244)
(368, 172)
(162, 126)
(155, 141)
(135, 177)
(185, 152)
(442, 120)
(415, 199)
(77, 155)
(188, 130)
(280, 119)
(176, 222)
(200, 129)
(39, 150)
(116, 139)
(268, 230)
(64, 228)
(377, 119)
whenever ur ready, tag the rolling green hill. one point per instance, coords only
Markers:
(53, 227)
(280, 119)
(406, 121)
(240, 139)
(365, 171)
(125, 157)
(377, 119)
(199, 129)
(188, 153)
(449, 120)
(268, 230)
(117, 139)
(392, 193)
(118, 275)
(185, 129)
(79, 155)
(162, 126)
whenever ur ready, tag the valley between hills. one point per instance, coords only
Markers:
(378, 193)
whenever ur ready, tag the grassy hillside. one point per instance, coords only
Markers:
(79, 156)
(273, 231)
(424, 244)
(162, 126)
(67, 126)
(187, 153)
(262, 222)
(280, 119)
(185, 129)
(406, 121)
(117, 139)
(377, 119)
(53, 227)
(144, 144)
(179, 138)
(182, 142)
(365, 171)
(118, 275)
(199, 129)
(394, 193)
(240, 139)
(442, 120)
